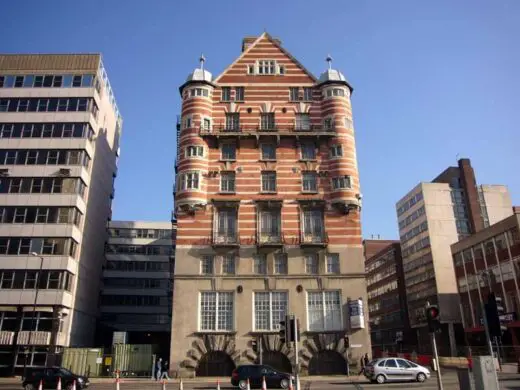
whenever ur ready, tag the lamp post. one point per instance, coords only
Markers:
(37, 282)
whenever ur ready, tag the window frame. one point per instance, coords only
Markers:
(294, 94)
(312, 268)
(309, 145)
(323, 326)
(232, 156)
(230, 178)
(333, 264)
(184, 180)
(314, 175)
(281, 268)
(207, 265)
(273, 322)
(228, 266)
(260, 264)
(196, 149)
(225, 97)
(266, 181)
(217, 295)
(262, 156)
(339, 183)
(336, 151)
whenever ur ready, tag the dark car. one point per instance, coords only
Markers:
(255, 373)
(50, 377)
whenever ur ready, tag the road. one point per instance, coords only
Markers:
(450, 382)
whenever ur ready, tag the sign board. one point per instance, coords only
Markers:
(505, 318)
(399, 336)
(99, 360)
(356, 345)
(119, 338)
(355, 313)
(108, 361)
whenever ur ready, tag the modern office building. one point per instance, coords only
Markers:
(268, 217)
(59, 136)
(137, 284)
(486, 261)
(387, 307)
(431, 217)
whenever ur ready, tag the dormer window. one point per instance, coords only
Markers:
(266, 67)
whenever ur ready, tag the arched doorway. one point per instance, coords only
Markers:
(215, 363)
(277, 360)
(327, 363)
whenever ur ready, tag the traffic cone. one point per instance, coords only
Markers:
(164, 384)
(59, 383)
(117, 382)
(290, 385)
(248, 385)
(264, 386)
(74, 385)
(40, 386)
(181, 385)
(218, 384)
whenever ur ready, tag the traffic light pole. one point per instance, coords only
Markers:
(260, 349)
(294, 331)
(436, 357)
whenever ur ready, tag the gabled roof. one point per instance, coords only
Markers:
(276, 44)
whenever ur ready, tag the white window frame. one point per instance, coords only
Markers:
(217, 295)
(336, 151)
(315, 270)
(273, 230)
(184, 179)
(315, 176)
(273, 145)
(194, 151)
(294, 98)
(332, 92)
(203, 120)
(262, 181)
(199, 92)
(302, 125)
(207, 265)
(227, 190)
(273, 322)
(281, 268)
(260, 259)
(333, 263)
(340, 182)
(229, 264)
(270, 65)
(187, 121)
(243, 89)
(323, 326)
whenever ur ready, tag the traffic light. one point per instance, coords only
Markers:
(294, 328)
(285, 330)
(433, 318)
(494, 309)
(254, 345)
(346, 340)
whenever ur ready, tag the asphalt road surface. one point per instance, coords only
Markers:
(450, 382)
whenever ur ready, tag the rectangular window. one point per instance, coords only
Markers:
(260, 264)
(328, 123)
(303, 122)
(270, 310)
(216, 311)
(341, 182)
(30, 279)
(293, 94)
(270, 226)
(76, 81)
(324, 311)
(333, 263)
(267, 121)
(206, 265)
(7, 279)
(228, 264)
(42, 105)
(310, 182)
(239, 94)
(336, 151)
(195, 151)
(23, 105)
(308, 151)
(189, 181)
(226, 94)
(268, 151)
(268, 181)
(54, 280)
(233, 121)
(229, 152)
(4, 105)
(227, 182)
(280, 263)
(226, 229)
(19, 214)
(307, 94)
(266, 67)
(313, 225)
(206, 124)
(311, 264)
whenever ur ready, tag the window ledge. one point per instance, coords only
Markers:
(202, 332)
(227, 192)
(268, 192)
(308, 160)
(310, 192)
(226, 160)
(267, 160)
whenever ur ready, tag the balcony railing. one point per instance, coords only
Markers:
(6, 337)
(37, 337)
(269, 239)
(313, 239)
(286, 129)
(225, 239)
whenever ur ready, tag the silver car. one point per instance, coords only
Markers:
(394, 369)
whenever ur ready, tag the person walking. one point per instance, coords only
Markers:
(362, 363)
(158, 367)
(164, 374)
(367, 360)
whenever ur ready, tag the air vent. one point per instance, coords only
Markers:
(4, 172)
(64, 172)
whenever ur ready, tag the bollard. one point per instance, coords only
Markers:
(218, 384)
(74, 385)
(164, 384)
(290, 385)
(248, 385)
(264, 385)
(117, 382)
(59, 383)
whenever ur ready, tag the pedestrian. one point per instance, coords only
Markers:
(366, 359)
(158, 367)
(362, 362)
(165, 371)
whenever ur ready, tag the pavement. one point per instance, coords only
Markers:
(449, 380)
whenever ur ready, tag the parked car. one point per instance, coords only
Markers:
(255, 373)
(50, 376)
(395, 369)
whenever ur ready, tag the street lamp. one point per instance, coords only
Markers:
(37, 283)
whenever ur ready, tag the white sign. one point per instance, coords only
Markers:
(355, 312)
(356, 345)
(99, 360)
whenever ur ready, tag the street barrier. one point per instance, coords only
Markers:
(218, 384)
(248, 385)
(59, 383)
(181, 385)
(40, 387)
(264, 385)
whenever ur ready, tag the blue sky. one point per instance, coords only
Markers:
(433, 81)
